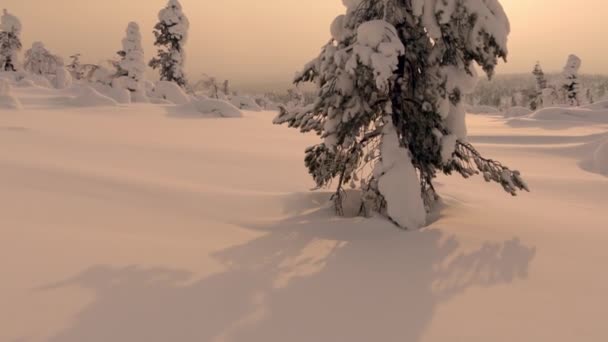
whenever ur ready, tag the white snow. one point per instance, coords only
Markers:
(398, 182)
(517, 111)
(245, 103)
(208, 107)
(600, 158)
(124, 223)
(7, 100)
(573, 114)
(169, 91)
(10, 23)
(89, 97)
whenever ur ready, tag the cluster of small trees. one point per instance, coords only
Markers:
(568, 91)
(127, 72)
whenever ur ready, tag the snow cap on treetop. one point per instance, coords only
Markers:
(573, 64)
(10, 23)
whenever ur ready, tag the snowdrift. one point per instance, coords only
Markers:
(206, 108)
(89, 97)
(575, 114)
(169, 91)
(7, 101)
(600, 159)
(480, 109)
(517, 111)
(245, 103)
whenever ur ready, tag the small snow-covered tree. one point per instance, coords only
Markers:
(171, 34)
(75, 67)
(570, 86)
(40, 61)
(390, 88)
(541, 84)
(131, 68)
(10, 43)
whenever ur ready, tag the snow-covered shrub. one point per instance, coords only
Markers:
(132, 68)
(10, 43)
(7, 101)
(169, 91)
(390, 90)
(171, 35)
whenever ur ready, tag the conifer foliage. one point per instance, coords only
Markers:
(171, 34)
(571, 86)
(389, 103)
(10, 43)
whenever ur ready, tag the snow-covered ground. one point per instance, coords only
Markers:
(131, 223)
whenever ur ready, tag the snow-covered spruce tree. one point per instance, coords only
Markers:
(570, 85)
(390, 88)
(541, 84)
(10, 43)
(131, 69)
(171, 35)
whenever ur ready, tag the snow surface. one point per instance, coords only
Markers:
(517, 111)
(207, 107)
(126, 224)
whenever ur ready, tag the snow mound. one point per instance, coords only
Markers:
(601, 105)
(25, 83)
(7, 101)
(209, 108)
(571, 114)
(90, 97)
(245, 103)
(481, 109)
(119, 94)
(600, 158)
(169, 91)
(398, 183)
(517, 111)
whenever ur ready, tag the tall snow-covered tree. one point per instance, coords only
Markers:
(10, 43)
(570, 84)
(389, 102)
(132, 67)
(171, 34)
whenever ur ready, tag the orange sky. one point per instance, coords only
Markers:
(268, 40)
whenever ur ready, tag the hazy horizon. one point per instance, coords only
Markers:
(265, 43)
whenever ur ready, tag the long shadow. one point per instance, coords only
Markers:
(311, 277)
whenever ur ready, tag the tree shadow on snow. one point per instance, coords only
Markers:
(311, 277)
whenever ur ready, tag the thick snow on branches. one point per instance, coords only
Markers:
(399, 71)
(10, 43)
(132, 66)
(171, 35)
